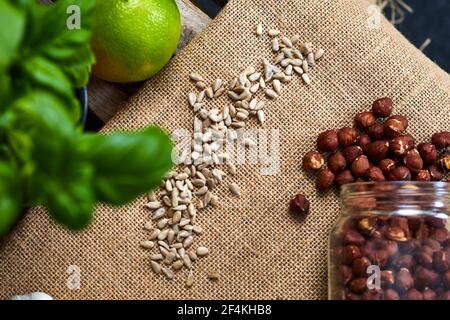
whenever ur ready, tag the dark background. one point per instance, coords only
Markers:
(431, 19)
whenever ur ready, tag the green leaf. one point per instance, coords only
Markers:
(12, 24)
(128, 164)
(10, 197)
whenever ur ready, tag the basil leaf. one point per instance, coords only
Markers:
(10, 197)
(12, 24)
(128, 164)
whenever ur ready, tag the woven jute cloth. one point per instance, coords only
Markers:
(259, 250)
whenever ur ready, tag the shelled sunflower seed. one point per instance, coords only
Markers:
(190, 188)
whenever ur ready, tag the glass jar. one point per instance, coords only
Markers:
(391, 242)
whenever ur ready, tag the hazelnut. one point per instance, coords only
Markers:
(409, 246)
(423, 175)
(360, 166)
(347, 136)
(328, 141)
(336, 162)
(350, 153)
(386, 165)
(413, 294)
(395, 125)
(325, 180)
(400, 174)
(405, 261)
(379, 257)
(299, 205)
(441, 260)
(404, 280)
(413, 160)
(444, 162)
(429, 294)
(353, 237)
(363, 141)
(364, 120)
(360, 265)
(424, 277)
(344, 177)
(424, 258)
(401, 145)
(358, 285)
(313, 160)
(441, 139)
(382, 108)
(435, 173)
(428, 152)
(396, 234)
(440, 235)
(377, 151)
(432, 245)
(390, 294)
(350, 253)
(376, 132)
(375, 174)
(387, 278)
(446, 279)
(391, 247)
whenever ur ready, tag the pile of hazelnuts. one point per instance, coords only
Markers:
(377, 149)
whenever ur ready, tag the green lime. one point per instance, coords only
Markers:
(133, 39)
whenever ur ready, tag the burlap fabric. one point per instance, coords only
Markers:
(259, 250)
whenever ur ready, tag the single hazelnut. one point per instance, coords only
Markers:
(436, 173)
(423, 175)
(441, 260)
(405, 261)
(413, 160)
(328, 141)
(429, 294)
(347, 136)
(363, 141)
(391, 247)
(401, 145)
(325, 179)
(441, 139)
(377, 151)
(440, 235)
(299, 205)
(344, 177)
(413, 294)
(379, 257)
(404, 280)
(375, 174)
(350, 153)
(424, 258)
(444, 162)
(358, 285)
(360, 265)
(400, 174)
(395, 125)
(387, 278)
(386, 165)
(382, 108)
(353, 237)
(390, 294)
(396, 233)
(337, 162)
(433, 245)
(364, 120)
(428, 152)
(360, 166)
(376, 132)
(424, 277)
(313, 160)
(350, 253)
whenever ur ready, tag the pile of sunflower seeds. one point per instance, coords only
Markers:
(189, 189)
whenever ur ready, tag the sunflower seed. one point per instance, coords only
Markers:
(209, 92)
(295, 38)
(286, 41)
(298, 70)
(262, 83)
(306, 78)
(275, 45)
(202, 251)
(163, 234)
(259, 29)
(196, 77)
(319, 54)
(273, 32)
(254, 88)
(162, 223)
(148, 226)
(305, 66)
(147, 244)
(249, 70)
(271, 94)
(254, 76)
(261, 116)
(159, 213)
(180, 207)
(154, 234)
(182, 176)
(201, 86)
(156, 267)
(288, 70)
(277, 86)
(170, 258)
(156, 256)
(170, 236)
(177, 265)
(168, 273)
(187, 261)
(192, 98)
(192, 255)
(201, 96)
(234, 188)
(306, 48)
(216, 84)
(201, 191)
(310, 59)
(153, 205)
(165, 246)
(189, 280)
(176, 217)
